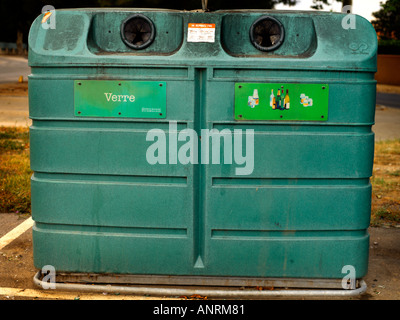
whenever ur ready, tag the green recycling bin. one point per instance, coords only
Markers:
(221, 144)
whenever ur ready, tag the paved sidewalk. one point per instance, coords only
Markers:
(14, 111)
(13, 67)
(387, 124)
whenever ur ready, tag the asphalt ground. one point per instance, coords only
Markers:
(388, 99)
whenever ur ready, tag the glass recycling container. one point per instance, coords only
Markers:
(135, 112)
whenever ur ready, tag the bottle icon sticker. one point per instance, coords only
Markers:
(287, 100)
(255, 97)
(306, 101)
(282, 100)
(278, 99)
(254, 100)
(272, 99)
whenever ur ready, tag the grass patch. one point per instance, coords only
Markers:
(388, 147)
(386, 184)
(387, 214)
(395, 173)
(382, 184)
(15, 170)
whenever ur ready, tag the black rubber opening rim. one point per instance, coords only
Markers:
(276, 45)
(145, 44)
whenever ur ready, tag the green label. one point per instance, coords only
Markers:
(281, 101)
(120, 99)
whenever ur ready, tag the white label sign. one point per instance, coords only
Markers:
(201, 32)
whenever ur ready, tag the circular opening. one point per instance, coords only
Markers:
(138, 32)
(267, 33)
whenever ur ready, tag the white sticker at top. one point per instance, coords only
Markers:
(201, 32)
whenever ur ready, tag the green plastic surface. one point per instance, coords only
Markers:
(99, 205)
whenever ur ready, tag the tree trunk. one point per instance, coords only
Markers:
(20, 44)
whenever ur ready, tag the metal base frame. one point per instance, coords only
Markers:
(215, 287)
